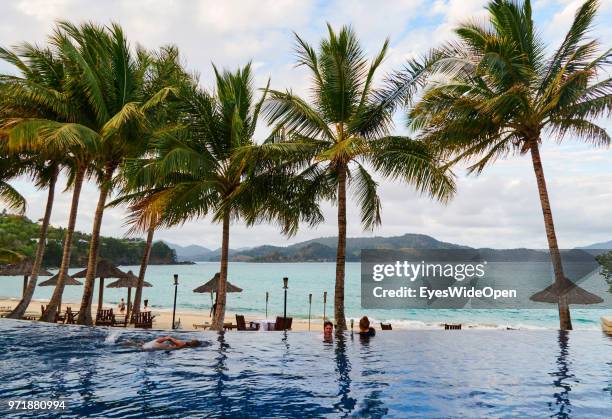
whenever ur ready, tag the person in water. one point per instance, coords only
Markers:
(169, 343)
(364, 327)
(328, 329)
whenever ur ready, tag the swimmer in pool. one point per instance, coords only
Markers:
(169, 343)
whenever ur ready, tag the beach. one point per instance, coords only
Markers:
(163, 317)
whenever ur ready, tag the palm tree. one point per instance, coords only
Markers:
(495, 92)
(144, 217)
(344, 135)
(9, 196)
(37, 92)
(118, 100)
(63, 130)
(135, 175)
(210, 165)
(45, 174)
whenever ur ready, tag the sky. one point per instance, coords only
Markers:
(500, 208)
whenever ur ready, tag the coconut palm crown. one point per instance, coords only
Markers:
(343, 136)
(495, 92)
(210, 165)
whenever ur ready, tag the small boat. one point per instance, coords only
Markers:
(606, 324)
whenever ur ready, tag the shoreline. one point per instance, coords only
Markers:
(187, 317)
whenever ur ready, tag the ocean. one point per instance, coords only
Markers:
(304, 278)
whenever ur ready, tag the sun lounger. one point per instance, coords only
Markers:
(241, 324)
(143, 320)
(385, 326)
(58, 316)
(203, 326)
(452, 326)
(105, 317)
(70, 316)
(283, 323)
(229, 326)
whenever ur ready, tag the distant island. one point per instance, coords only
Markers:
(323, 249)
(20, 234)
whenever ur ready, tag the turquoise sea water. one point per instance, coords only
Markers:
(304, 278)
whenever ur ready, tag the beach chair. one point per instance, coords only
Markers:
(119, 320)
(105, 317)
(241, 324)
(452, 326)
(70, 316)
(385, 326)
(202, 326)
(143, 320)
(57, 315)
(283, 323)
(229, 326)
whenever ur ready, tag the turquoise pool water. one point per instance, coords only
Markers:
(474, 373)
(304, 278)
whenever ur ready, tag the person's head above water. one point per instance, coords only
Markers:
(364, 324)
(193, 343)
(328, 327)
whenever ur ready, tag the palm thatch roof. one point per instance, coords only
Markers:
(51, 282)
(22, 268)
(575, 294)
(213, 285)
(104, 269)
(129, 281)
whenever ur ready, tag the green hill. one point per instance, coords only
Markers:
(324, 249)
(20, 234)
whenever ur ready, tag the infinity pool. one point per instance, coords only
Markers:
(472, 373)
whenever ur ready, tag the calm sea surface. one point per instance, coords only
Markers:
(304, 278)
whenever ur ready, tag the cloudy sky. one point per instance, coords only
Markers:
(500, 208)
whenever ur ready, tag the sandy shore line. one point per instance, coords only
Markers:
(189, 318)
(163, 317)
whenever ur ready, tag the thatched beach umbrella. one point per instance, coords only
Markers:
(51, 282)
(212, 286)
(104, 269)
(129, 281)
(22, 268)
(575, 294)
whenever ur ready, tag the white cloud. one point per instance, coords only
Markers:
(500, 208)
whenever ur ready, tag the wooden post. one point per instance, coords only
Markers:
(309, 309)
(127, 313)
(100, 293)
(324, 304)
(267, 296)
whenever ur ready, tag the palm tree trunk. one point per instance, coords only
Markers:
(219, 317)
(21, 308)
(52, 307)
(84, 316)
(565, 321)
(143, 269)
(341, 252)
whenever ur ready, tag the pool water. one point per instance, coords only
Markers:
(421, 373)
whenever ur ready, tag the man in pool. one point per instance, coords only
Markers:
(364, 328)
(328, 329)
(169, 343)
